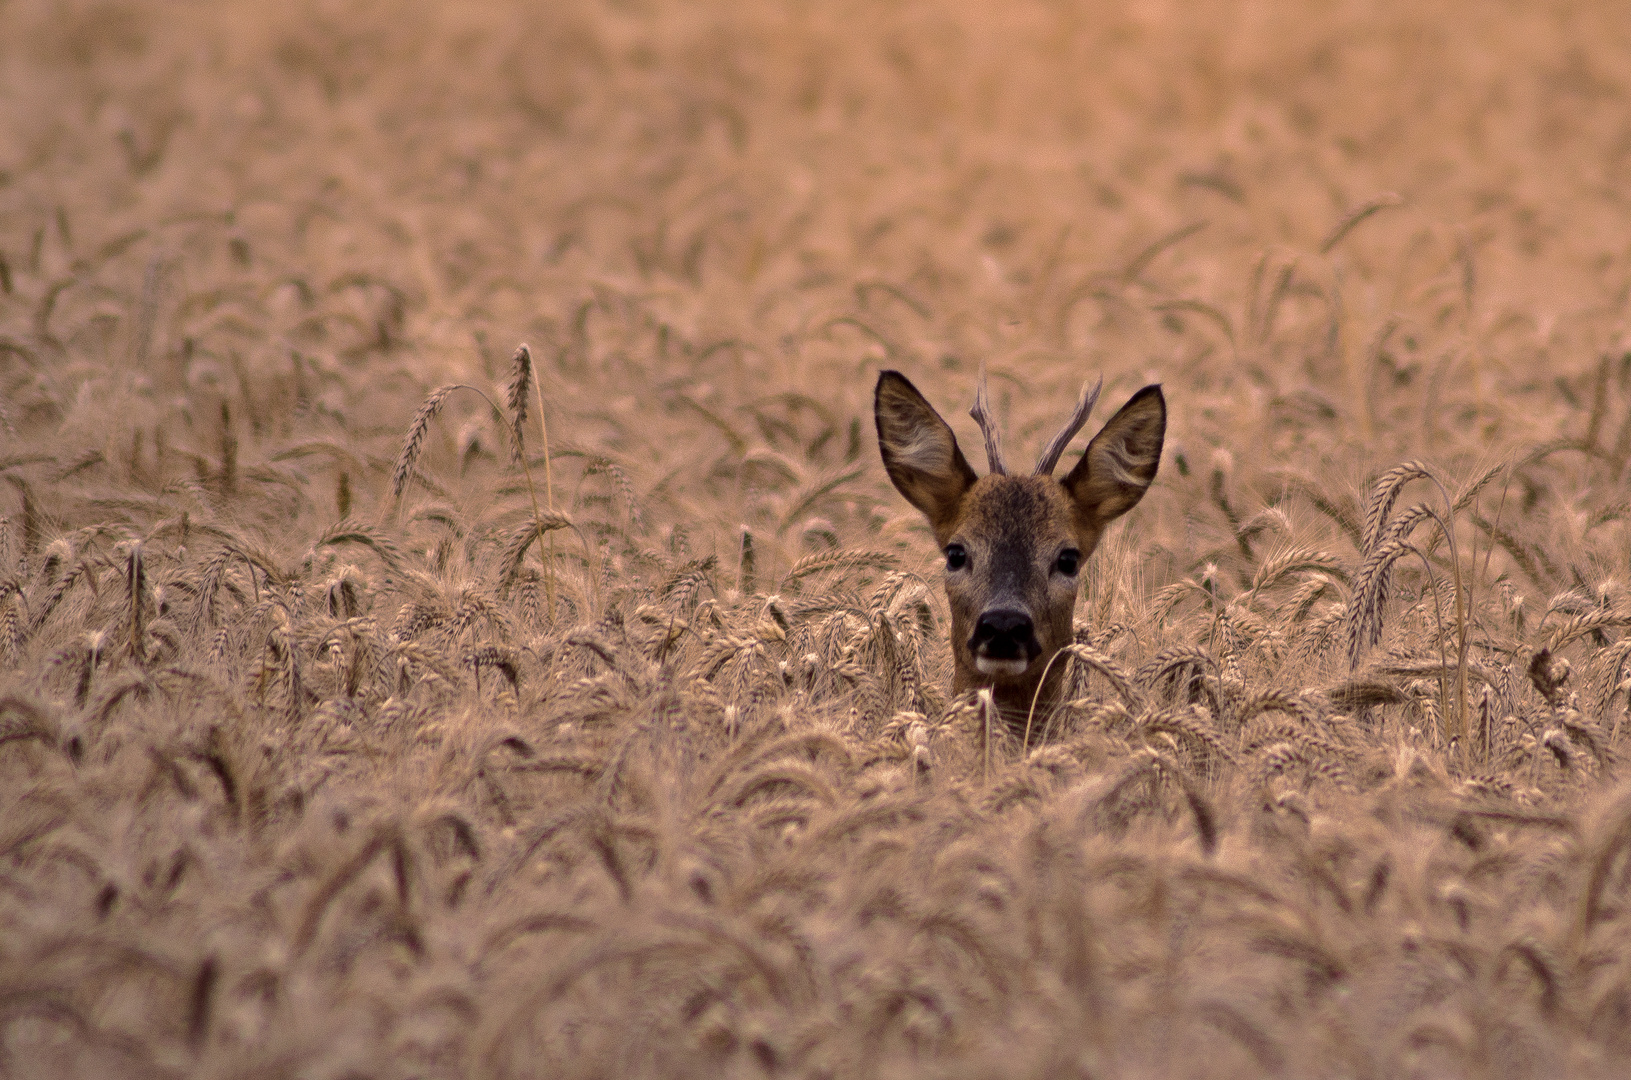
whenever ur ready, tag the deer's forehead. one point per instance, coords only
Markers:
(1014, 509)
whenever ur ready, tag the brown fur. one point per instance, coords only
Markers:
(1014, 530)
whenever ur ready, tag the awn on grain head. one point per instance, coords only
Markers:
(1014, 544)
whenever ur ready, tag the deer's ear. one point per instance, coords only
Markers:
(920, 453)
(1120, 462)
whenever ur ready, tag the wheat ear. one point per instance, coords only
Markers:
(415, 442)
(521, 373)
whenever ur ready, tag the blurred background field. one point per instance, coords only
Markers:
(306, 777)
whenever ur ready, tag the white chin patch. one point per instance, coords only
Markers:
(987, 666)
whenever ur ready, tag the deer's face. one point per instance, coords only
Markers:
(1013, 554)
(1014, 545)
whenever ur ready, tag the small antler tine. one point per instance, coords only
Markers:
(1084, 408)
(988, 426)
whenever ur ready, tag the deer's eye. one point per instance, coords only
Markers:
(1070, 561)
(956, 557)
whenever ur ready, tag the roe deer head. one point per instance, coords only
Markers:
(1014, 544)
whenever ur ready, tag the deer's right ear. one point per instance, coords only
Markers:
(920, 453)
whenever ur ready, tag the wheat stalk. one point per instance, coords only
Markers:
(522, 375)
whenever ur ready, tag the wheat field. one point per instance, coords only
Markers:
(382, 698)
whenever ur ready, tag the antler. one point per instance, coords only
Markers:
(1084, 406)
(988, 427)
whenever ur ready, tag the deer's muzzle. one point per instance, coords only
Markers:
(1004, 643)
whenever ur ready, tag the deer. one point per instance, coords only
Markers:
(1014, 545)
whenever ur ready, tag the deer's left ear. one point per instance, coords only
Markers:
(1120, 462)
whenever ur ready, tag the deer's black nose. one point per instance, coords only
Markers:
(1005, 635)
